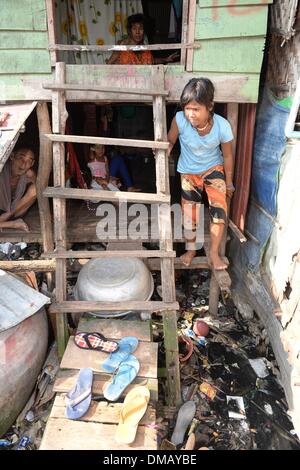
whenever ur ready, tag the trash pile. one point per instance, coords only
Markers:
(230, 382)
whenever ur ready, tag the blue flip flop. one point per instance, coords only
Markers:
(126, 347)
(123, 376)
(79, 398)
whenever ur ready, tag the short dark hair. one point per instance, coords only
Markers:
(137, 18)
(200, 90)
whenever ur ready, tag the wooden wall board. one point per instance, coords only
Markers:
(65, 434)
(24, 61)
(23, 40)
(212, 23)
(229, 55)
(23, 15)
(76, 358)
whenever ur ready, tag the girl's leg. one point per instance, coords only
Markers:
(118, 168)
(215, 187)
(191, 197)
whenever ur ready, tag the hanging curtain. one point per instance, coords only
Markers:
(97, 22)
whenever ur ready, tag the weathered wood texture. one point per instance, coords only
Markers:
(23, 38)
(234, 87)
(232, 37)
(64, 434)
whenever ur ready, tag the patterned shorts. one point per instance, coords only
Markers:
(192, 186)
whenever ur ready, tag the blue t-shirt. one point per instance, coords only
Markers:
(199, 153)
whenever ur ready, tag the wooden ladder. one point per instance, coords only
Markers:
(168, 306)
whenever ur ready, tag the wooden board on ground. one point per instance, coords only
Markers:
(76, 358)
(99, 412)
(65, 434)
(66, 379)
(116, 328)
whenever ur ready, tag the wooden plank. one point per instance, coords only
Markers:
(236, 231)
(230, 87)
(120, 47)
(65, 434)
(24, 61)
(213, 23)
(94, 194)
(242, 56)
(99, 412)
(28, 265)
(59, 117)
(23, 40)
(89, 306)
(76, 358)
(43, 175)
(29, 15)
(50, 8)
(66, 379)
(199, 262)
(117, 328)
(191, 34)
(84, 88)
(232, 4)
(184, 30)
(82, 139)
(110, 254)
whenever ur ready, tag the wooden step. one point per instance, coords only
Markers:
(105, 89)
(82, 306)
(110, 254)
(83, 139)
(110, 196)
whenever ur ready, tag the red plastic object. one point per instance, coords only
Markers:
(201, 328)
(189, 347)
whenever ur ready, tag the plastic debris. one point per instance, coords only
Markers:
(236, 407)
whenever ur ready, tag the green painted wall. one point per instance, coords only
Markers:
(232, 37)
(23, 37)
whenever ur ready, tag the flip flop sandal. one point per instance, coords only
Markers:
(95, 341)
(185, 415)
(127, 346)
(78, 399)
(122, 377)
(133, 409)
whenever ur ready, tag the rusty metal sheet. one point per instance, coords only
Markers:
(17, 301)
(12, 118)
(243, 163)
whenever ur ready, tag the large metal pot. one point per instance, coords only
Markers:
(114, 279)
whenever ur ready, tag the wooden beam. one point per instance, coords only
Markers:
(199, 262)
(191, 33)
(184, 30)
(105, 89)
(29, 265)
(50, 8)
(113, 196)
(89, 306)
(82, 139)
(236, 231)
(110, 254)
(120, 47)
(43, 175)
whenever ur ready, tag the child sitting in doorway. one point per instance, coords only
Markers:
(99, 167)
(205, 163)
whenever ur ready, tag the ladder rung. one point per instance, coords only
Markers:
(83, 139)
(199, 262)
(112, 196)
(105, 89)
(81, 306)
(110, 254)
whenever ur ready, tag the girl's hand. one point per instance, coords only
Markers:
(229, 189)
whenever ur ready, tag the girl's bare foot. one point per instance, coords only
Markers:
(186, 259)
(217, 262)
(19, 224)
(133, 189)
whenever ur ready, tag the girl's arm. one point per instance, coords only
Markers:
(228, 167)
(172, 136)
